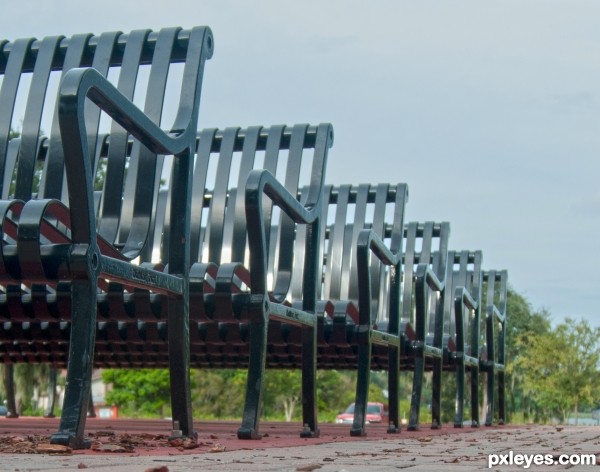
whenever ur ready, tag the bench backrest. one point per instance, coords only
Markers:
(350, 210)
(425, 243)
(295, 154)
(142, 64)
(464, 270)
(494, 306)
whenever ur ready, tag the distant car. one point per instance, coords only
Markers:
(376, 413)
(3, 411)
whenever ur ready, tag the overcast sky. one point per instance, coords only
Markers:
(490, 111)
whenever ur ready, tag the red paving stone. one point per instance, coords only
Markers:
(149, 437)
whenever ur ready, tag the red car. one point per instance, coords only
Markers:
(376, 413)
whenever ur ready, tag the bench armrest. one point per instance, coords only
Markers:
(369, 242)
(76, 86)
(81, 83)
(262, 183)
(426, 280)
(463, 299)
(493, 312)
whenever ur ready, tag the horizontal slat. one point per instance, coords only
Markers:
(135, 276)
(385, 339)
(291, 315)
(431, 351)
(179, 52)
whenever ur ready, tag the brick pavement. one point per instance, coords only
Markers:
(281, 450)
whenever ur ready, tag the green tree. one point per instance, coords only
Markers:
(521, 324)
(562, 366)
(29, 380)
(218, 393)
(138, 392)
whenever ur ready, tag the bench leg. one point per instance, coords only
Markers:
(309, 383)
(436, 394)
(256, 375)
(460, 390)
(394, 390)
(91, 410)
(501, 398)
(363, 379)
(474, 397)
(79, 369)
(179, 368)
(9, 389)
(490, 384)
(52, 377)
(417, 389)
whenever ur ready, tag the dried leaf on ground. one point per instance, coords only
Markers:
(308, 468)
(99, 447)
(183, 443)
(217, 448)
(103, 434)
(47, 448)
(22, 444)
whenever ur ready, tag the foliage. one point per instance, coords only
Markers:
(30, 380)
(522, 323)
(562, 368)
(138, 392)
(220, 393)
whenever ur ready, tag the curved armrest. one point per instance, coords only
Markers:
(426, 279)
(494, 312)
(262, 183)
(75, 87)
(462, 299)
(370, 242)
(426, 276)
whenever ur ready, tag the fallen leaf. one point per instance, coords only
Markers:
(176, 442)
(217, 448)
(53, 449)
(425, 439)
(162, 468)
(111, 448)
(82, 466)
(308, 468)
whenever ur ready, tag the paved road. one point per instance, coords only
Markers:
(449, 449)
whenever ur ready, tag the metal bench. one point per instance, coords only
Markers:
(423, 295)
(132, 328)
(53, 245)
(474, 339)
(382, 286)
(224, 343)
(464, 347)
(236, 263)
(495, 328)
